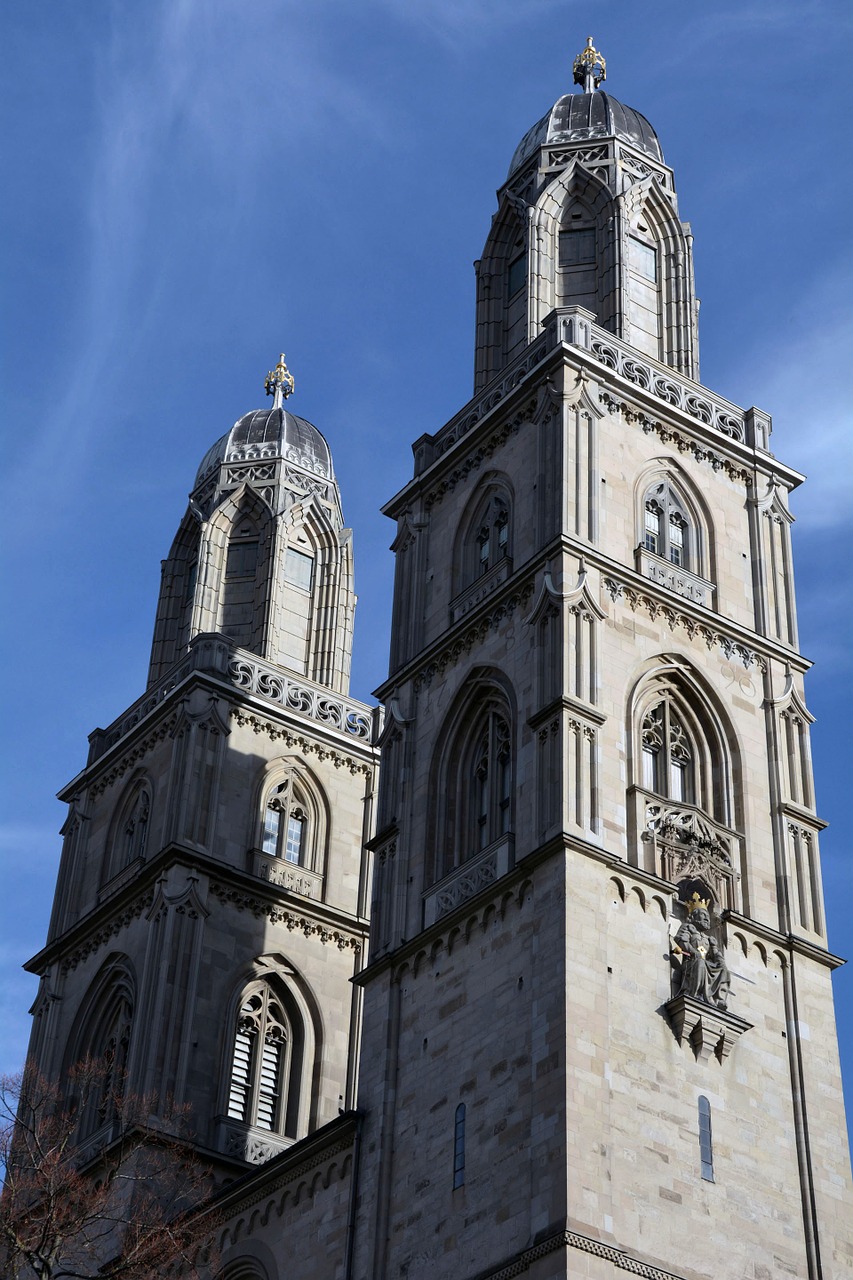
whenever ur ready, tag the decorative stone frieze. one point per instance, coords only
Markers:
(687, 845)
(432, 447)
(314, 702)
(665, 384)
(277, 914)
(243, 1142)
(477, 457)
(655, 609)
(306, 745)
(474, 634)
(102, 936)
(480, 589)
(707, 1029)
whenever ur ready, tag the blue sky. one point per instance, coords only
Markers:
(198, 184)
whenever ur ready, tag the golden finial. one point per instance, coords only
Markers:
(280, 383)
(695, 902)
(589, 67)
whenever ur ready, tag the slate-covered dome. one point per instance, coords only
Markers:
(579, 117)
(271, 433)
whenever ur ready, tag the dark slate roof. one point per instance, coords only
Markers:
(271, 433)
(577, 117)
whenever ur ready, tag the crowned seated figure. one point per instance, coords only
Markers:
(703, 973)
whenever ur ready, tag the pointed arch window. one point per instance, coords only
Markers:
(128, 839)
(260, 1061)
(667, 530)
(668, 754)
(286, 825)
(102, 1052)
(476, 786)
(492, 535)
(491, 781)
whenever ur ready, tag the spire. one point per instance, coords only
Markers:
(589, 67)
(280, 383)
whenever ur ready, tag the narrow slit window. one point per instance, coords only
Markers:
(516, 276)
(298, 569)
(459, 1147)
(706, 1150)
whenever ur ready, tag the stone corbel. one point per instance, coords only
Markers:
(706, 1028)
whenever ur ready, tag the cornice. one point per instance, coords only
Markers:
(154, 715)
(752, 648)
(461, 636)
(521, 1262)
(787, 941)
(437, 933)
(227, 884)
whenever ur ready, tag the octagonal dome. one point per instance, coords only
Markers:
(271, 433)
(581, 117)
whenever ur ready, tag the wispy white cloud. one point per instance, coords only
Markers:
(804, 381)
(206, 74)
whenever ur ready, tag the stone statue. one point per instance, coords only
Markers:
(703, 974)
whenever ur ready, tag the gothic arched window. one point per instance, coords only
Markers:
(484, 540)
(667, 529)
(475, 783)
(286, 831)
(668, 754)
(98, 1065)
(490, 781)
(493, 535)
(129, 835)
(260, 1061)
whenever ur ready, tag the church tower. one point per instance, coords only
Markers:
(599, 1033)
(212, 897)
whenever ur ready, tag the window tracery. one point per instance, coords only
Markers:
(668, 755)
(260, 1061)
(493, 536)
(667, 530)
(476, 784)
(286, 825)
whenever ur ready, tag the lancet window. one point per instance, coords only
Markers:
(260, 1061)
(476, 785)
(484, 541)
(129, 836)
(667, 753)
(102, 1051)
(286, 825)
(666, 531)
(491, 781)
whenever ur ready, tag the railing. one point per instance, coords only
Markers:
(575, 326)
(468, 879)
(289, 876)
(215, 655)
(313, 701)
(480, 589)
(246, 1143)
(675, 578)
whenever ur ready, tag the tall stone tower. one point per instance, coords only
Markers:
(212, 897)
(599, 1032)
